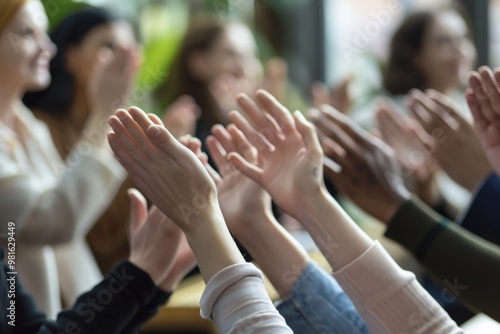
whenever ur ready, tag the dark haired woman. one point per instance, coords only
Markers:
(431, 49)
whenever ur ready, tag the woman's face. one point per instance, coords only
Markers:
(81, 59)
(26, 49)
(234, 53)
(447, 54)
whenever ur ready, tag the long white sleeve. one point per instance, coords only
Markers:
(390, 299)
(236, 300)
(49, 201)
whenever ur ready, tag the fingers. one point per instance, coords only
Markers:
(138, 209)
(447, 106)
(241, 144)
(481, 97)
(163, 139)
(425, 111)
(255, 138)
(329, 130)
(480, 120)
(278, 112)
(155, 119)
(135, 129)
(262, 121)
(123, 143)
(246, 168)
(309, 136)
(218, 155)
(357, 134)
(224, 137)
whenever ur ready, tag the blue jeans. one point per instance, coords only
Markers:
(317, 304)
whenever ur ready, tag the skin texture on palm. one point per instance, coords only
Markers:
(483, 98)
(456, 147)
(174, 179)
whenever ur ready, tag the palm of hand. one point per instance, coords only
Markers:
(290, 173)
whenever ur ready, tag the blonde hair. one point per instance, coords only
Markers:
(8, 9)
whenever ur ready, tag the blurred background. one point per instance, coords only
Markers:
(321, 40)
(297, 49)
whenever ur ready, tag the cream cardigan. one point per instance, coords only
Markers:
(53, 205)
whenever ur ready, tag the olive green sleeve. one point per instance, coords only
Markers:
(465, 265)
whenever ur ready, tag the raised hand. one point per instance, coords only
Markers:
(154, 239)
(112, 80)
(152, 155)
(414, 151)
(457, 148)
(290, 158)
(181, 116)
(337, 96)
(483, 98)
(363, 167)
(174, 179)
(241, 199)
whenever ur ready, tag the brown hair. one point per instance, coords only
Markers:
(8, 9)
(200, 37)
(402, 73)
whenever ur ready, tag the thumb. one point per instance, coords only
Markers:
(246, 168)
(138, 209)
(306, 130)
(162, 138)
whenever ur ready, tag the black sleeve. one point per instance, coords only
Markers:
(112, 306)
(147, 312)
(25, 319)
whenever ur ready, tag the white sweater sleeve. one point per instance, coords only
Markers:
(237, 302)
(390, 299)
(52, 215)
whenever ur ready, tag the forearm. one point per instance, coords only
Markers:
(212, 244)
(237, 302)
(463, 263)
(339, 239)
(390, 299)
(276, 252)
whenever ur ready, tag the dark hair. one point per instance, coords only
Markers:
(201, 36)
(56, 99)
(402, 73)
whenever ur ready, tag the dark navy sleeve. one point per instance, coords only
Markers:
(481, 218)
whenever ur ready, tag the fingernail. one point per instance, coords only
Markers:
(154, 131)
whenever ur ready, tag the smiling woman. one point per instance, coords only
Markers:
(51, 203)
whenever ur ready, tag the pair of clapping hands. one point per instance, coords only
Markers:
(268, 150)
(367, 169)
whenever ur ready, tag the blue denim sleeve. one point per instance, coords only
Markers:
(317, 304)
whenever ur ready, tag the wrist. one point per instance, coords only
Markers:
(146, 267)
(248, 224)
(213, 246)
